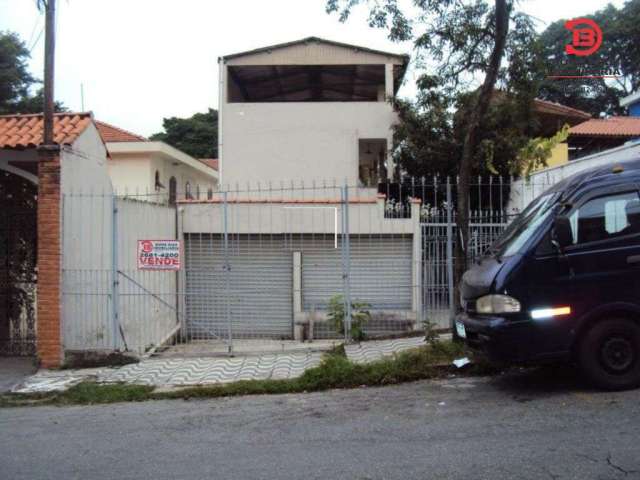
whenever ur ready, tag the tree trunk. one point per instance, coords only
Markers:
(502, 11)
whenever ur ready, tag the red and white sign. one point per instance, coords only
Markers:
(159, 255)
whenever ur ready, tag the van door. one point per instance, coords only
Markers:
(601, 266)
(604, 259)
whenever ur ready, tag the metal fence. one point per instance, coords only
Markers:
(286, 263)
(494, 203)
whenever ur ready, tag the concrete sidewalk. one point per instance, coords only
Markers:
(14, 371)
(188, 371)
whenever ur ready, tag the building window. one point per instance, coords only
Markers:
(197, 192)
(210, 194)
(187, 191)
(173, 187)
(158, 184)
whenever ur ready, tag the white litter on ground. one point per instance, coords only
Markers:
(461, 362)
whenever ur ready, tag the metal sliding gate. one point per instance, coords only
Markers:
(275, 261)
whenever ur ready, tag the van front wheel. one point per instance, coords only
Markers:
(609, 354)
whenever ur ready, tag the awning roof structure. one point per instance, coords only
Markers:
(299, 83)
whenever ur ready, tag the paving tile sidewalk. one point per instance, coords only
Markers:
(370, 351)
(175, 372)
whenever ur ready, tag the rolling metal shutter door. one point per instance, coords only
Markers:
(260, 290)
(380, 271)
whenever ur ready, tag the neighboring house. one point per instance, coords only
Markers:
(308, 110)
(551, 118)
(600, 134)
(38, 239)
(146, 168)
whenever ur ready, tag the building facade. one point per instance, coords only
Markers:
(307, 111)
(152, 169)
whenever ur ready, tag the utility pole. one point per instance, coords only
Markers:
(49, 57)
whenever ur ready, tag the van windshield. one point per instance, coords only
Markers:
(524, 226)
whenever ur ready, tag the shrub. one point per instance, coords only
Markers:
(359, 316)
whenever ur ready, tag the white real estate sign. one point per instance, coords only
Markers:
(159, 255)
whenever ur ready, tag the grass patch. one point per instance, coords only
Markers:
(85, 393)
(335, 371)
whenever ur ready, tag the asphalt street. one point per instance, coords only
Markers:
(523, 425)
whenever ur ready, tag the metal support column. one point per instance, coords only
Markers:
(450, 259)
(227, 275)
(115, 280)
(346, 263)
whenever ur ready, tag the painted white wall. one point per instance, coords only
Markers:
(86, 244)
(183, 174)
(133, 174)
(148, 298)
(273, 142)
(88, 255)
(292, 218)
(525, 190)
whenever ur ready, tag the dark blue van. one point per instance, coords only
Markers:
(563, 280)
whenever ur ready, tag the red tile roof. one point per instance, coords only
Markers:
(25, 131)
(210, 162)
(626, 127)
(544, 106)
(110, 133)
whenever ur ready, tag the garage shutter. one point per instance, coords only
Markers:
(260, 286)
(380, 272)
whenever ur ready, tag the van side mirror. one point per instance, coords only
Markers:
(561, 234)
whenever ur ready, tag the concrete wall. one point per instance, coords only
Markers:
(86, 244)
(148, 298)
(183, 174)
(96, 244)
(271, 142)
(525, 190)
(291, 218)
(133, 171)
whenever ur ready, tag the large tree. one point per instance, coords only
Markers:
(196, 135)
(16, 83)
(15, 79)
(619, 55)
(466, 41)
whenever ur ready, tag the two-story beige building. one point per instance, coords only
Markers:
(309, 110)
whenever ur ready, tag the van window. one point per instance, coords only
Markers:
(524, 226)
(606, 217)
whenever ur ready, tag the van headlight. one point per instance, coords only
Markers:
(490, 304)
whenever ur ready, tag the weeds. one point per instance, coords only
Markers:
(335, 371)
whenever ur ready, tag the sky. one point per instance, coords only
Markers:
(139, 61)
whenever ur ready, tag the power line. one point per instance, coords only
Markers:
(33, 30)
(36, 40)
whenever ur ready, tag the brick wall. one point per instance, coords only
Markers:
(49, 341)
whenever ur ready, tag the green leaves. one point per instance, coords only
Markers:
(537, 151)
(359, 316)
(196, 136)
